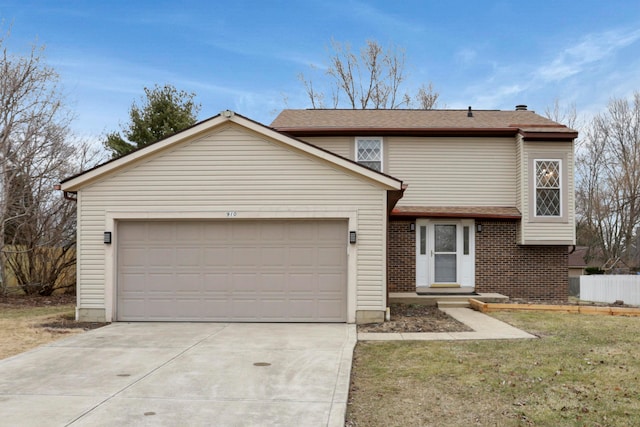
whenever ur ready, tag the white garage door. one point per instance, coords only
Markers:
(266, 271)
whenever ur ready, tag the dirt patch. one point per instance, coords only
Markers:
(68, 322)
(416, 318)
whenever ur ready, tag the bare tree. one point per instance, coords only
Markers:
(372, 78)
(36, 224)
(608, 183)
(426, 98)
(566, 115)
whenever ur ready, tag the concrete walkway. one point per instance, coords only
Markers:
(484, 328)
(183, 374)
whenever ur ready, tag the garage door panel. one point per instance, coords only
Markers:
(245, 282)
(330, 308)
(159, 231)
(245, 256)
(187, 282)
(217, 257)
(131, 232)
(330, 257)
(232, 271)
(300, 256)
(161, 282)
(187, 231)
(276, 232)
(217, 282)
(273, 282)
(216, 231)
(131, 257)
(328, 282)
(160, 257)
(187, 257)
(245, 231)
(272, 257)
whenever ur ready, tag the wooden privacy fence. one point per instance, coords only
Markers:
(610, 288)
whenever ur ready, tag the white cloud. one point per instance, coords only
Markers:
(592, 49)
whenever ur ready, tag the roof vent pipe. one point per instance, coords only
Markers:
(521, 107)
(469, 112)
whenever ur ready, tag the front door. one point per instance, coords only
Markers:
(445, 253)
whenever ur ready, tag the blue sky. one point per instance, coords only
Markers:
(246, 55)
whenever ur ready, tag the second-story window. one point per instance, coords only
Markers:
(548, 194)
(369, 153)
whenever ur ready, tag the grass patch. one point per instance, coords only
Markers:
(582, 371)
(21, 330)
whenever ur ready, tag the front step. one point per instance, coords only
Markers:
(454, 304)
(414, 298)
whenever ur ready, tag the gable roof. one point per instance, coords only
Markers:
(318, 122)
(577, 256)
(76, 182)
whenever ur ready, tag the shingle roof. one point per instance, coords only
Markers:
(495, 212)
(316, 121)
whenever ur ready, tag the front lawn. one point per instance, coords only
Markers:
(582, 371)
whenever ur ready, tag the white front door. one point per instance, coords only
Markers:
(445, 253)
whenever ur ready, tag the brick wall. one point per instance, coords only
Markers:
(401, 257)
(536, 273)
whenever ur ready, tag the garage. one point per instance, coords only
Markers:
(232, 270)
(230, 220)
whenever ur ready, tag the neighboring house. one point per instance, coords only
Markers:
(489, 203)
(576, 262)
(231, 220)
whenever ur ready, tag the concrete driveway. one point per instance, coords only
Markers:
(183, 374)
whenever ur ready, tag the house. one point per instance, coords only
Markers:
(317, 217)
(489, 203)
(576, 260)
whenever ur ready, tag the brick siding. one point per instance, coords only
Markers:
(535, 273)
(401, 257)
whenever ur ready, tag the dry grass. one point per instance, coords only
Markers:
(21, 330)
(583, 371)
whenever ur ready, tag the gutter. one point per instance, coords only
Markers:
(68, 195)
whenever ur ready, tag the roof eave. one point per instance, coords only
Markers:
(547, 136)
(370, 131)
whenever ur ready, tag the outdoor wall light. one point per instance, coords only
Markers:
(412, 226)
(107, 237)
(479, 228)
(352, 237)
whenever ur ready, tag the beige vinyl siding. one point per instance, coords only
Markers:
(234, 169)
(342, 146)
(519, 178)
(454, 171)
(545, 232)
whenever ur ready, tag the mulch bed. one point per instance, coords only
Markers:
(416, 318)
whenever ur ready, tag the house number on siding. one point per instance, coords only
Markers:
(232, 214)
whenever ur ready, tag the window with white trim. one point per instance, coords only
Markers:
(548, 197)
(369, 153)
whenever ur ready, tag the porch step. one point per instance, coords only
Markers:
(454, 304)
(414, 298)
